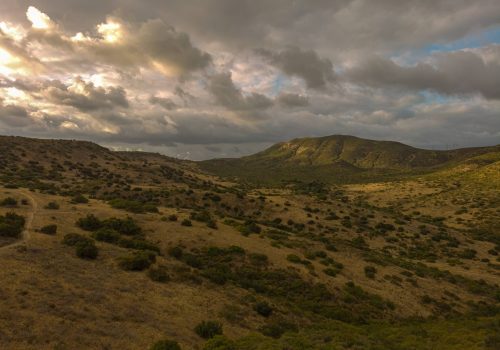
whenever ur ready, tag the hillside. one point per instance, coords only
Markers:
(117, 250)
(337, 159)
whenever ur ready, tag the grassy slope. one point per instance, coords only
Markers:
(337, 159)
(62, 302)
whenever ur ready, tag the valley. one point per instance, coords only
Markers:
(336, 243)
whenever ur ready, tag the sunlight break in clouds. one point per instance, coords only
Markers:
(38, 19)
(111, 31)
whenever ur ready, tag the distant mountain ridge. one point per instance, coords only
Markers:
(339, 156)
(330, 159)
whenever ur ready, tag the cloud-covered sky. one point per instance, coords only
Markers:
(222, 78)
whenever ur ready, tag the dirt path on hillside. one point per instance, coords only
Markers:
(26, 234)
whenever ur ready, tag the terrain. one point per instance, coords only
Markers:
(329, 243)
(338, 159)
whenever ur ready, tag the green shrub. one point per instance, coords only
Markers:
(52, 206)
(138, 261)
(212, 224)
(202, 216)
(294, 258)
(186, 222)
(166, 345)
(79, 199)
(158, 274)
(467, 254)
(133, 206)
(208, 329)
(370, 271)
(250, 227)
(49, 229)
(175, 252)
(73, 239)
(106, 235)
(219, 342)
(276, 329)
(126, 226)
(89, 223)
(263, 309)
(8, 202)
(138, 244)
(11, 225)
(331, 272)
(86, 250)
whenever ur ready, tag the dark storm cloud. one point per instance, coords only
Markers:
(13, 116)
(166, 103)
(228, 95)
(460, 72)
(306, 64)
(86, 97)
(293, 100)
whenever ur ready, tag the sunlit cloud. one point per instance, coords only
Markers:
(38, 19)
(112, 31)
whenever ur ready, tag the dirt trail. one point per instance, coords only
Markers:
(26, 234)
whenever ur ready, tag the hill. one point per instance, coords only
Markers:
(338, 159)
(117, 250)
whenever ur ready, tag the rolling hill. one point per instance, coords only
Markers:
(338, 159)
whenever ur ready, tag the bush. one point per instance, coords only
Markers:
(86, 250)
(73, 239)
(263, 309)
(186, 222)
(8, 202)
(166, 345)
(250, 227)
(52, 206)
(208, 329)
(172, 217)
(158, 274)
(125, 226)
(139, 261)
(106, 235)
(49, 229)
(467, 254)
(79, 199)
(89, 223)
(11, 225)
(277, 328)
(331, 272)
(133, 206)
(175, 252)
(294, 258)
(203, 216)
(219, 342)
(212, 224)
(370, 271)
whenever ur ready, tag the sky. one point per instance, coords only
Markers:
(200, 79)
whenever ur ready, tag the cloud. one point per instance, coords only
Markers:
(153, 44)
(451, 73)
(38, 19)
(293, 100)
(85, 96)
(166, 103)
(306, 64)
(228, 95)
(185, 76)
(13, 116)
